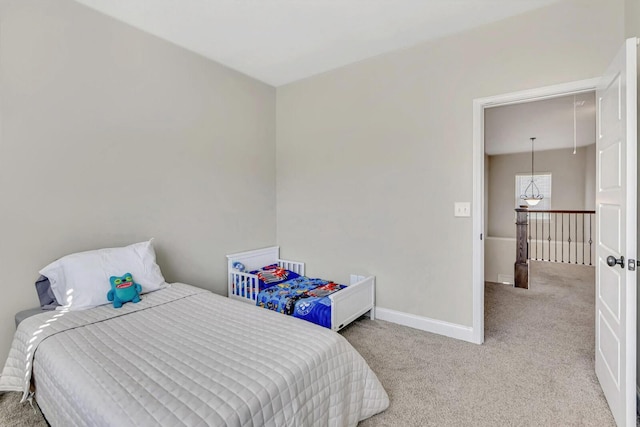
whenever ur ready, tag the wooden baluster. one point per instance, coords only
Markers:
(569, 239)
(542, 237)
(555, 234)
(529, 242)
(583, 239)
(576, 244)
(549, 238)
(536, 239)
(521, 267)
(562, 239)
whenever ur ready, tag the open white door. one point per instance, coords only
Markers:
(616, 235)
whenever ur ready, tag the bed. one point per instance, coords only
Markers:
(344, 306)
(179, 356)
(184, 356)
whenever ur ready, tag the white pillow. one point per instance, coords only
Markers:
(81, 280)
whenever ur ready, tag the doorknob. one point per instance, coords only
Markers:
(612, 261)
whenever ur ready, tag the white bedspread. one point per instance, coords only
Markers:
(187, 357)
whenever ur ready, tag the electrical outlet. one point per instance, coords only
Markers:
(462, 209)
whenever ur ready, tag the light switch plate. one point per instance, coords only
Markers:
(462, 209)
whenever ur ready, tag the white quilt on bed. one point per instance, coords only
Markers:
(187, 357)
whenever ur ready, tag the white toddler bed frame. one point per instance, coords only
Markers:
(347, 304)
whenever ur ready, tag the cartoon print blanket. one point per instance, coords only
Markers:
(302, 297)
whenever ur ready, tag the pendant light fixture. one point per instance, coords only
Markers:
(532, 198)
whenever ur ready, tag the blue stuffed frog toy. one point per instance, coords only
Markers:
(123, 289)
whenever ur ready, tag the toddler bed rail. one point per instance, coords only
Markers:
(243, 286)
(347, 304)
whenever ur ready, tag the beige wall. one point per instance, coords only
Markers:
(632, 18)
(110, 136)
(590, 178)
(499, 259)
(372, 156)
(572, 179)
(485, 196)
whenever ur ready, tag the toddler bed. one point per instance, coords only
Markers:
(260, 277)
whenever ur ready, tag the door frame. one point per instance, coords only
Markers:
(478, 201)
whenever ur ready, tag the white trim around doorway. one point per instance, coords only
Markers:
(478, 178)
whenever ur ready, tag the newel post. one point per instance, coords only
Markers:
(521, 266)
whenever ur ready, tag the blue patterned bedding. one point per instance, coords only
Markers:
(302, 297)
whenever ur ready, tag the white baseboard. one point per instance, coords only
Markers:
(452, 330)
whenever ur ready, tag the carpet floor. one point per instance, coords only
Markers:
(536, 367)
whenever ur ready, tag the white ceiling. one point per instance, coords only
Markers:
(280, 41)
(508, 128)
